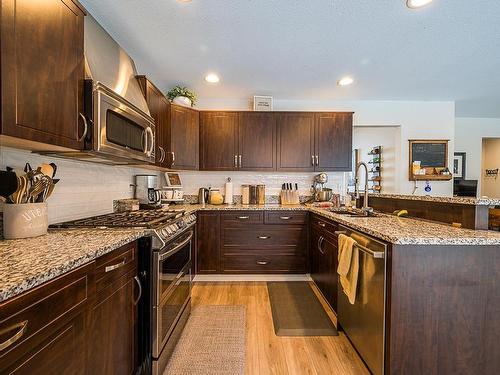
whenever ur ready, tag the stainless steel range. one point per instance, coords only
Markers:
(165, 271)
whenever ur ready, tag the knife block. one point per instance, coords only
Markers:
(289, 197)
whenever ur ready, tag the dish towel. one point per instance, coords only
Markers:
(348, 267)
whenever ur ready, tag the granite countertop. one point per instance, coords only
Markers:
(390, 228)
(29, 262)
(429, 198)
(26, 263)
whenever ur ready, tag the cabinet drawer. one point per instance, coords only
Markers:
(324, 224)
(242, 218)
(264, 263)
(28, 317)
(286, 217)
(115, 264)
(261, 236)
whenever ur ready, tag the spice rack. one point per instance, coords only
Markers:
(375, 172)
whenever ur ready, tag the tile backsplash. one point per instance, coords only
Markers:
(87, 189)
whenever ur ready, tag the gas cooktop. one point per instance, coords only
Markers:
(142, 218)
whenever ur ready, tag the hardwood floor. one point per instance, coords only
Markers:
(267, 353)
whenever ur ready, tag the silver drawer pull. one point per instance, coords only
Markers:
(321, 224)
(20, 332)
(340, 232)
(264, 237)
(114, 266)
(243, 217)
(262, 262)
(285, 217)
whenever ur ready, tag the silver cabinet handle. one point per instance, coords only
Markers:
(340, 232)
(285, 217)
(85, 129)
(236, 161)
(320, 244)
(19, 333)
(140, 290)
(321, 224)
(262, 262)
(239, 160)
(317, 159)
(114, 266)
(312, 160)
(173, 158)
(264, 237)
(243, 217)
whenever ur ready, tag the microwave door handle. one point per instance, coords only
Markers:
(151, 142)
(144, 141)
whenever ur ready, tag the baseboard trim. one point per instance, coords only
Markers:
(255, 277)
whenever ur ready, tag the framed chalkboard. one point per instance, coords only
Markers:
(432, 156)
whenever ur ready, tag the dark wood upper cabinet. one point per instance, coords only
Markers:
(159, 108)
(42, 71)
(333, 142)
(295, 149)
(184, 135)
(257, 141)
(218, 141)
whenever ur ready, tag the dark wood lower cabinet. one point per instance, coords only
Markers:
(207, 243)
(83, 322)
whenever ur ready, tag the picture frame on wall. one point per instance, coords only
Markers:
(459, 165)
(262, 103)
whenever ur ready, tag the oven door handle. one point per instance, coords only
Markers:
(176, 248)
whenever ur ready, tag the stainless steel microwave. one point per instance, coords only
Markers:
(115, 128)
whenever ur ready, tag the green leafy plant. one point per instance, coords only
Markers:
(182, 91)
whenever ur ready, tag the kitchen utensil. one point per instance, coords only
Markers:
(20, 194)
(46, 169)
(203, 195)
(54, 168)
(8, 183)
(324, 195)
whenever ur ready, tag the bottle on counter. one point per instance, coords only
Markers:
(245, 194)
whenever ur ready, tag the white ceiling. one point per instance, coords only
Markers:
(295, 49)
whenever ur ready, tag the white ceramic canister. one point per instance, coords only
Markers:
(25, 220)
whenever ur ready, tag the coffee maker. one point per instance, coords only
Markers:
(146, 191)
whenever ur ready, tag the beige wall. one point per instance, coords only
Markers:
(490, 186)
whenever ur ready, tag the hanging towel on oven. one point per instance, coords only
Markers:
(348, 267)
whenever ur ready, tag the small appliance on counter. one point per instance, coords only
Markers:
(146, 191)
(173, 191)
(203, 195)
(321, 194)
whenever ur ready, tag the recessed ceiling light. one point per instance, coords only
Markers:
(212, 78)
(345, 81)
(184, 1)
(414, 4)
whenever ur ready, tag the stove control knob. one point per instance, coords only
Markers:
(173, 228)
(164, 232)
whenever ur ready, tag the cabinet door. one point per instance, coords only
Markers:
(159, 108)
(257, 141)
(42, 71)
(184, 124)
(219, 141)
(112, 336)
(329, 272)
(295, 142)
(207, 244)
(333, 139)
(315, 254)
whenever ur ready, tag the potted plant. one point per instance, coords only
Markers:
(182, 95)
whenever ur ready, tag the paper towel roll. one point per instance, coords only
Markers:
(228, 199)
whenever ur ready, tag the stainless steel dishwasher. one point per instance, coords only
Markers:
(364, 321)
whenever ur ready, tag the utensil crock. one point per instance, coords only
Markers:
(24, 220)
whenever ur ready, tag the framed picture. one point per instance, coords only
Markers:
(173, 179)
(262, 103)
(459, 165)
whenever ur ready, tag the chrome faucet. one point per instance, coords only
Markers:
(366, 209)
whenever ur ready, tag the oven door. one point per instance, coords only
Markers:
(171, 288)
(121, 129)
